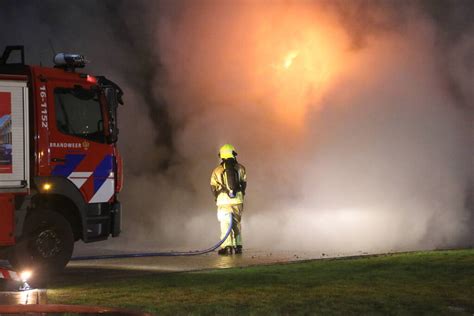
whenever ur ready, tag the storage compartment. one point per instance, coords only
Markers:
(14, 147)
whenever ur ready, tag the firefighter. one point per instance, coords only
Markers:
(228, 184)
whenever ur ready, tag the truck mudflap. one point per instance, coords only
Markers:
(116, 217)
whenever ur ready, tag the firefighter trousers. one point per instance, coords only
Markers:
(235, 237)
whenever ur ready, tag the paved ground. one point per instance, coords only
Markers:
(190, 263)
(250, 257)
(23, 298)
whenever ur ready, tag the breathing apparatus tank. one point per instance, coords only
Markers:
(231, 177)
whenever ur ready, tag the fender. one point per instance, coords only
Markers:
(59, 186)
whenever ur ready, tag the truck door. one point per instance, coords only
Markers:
(77, 140)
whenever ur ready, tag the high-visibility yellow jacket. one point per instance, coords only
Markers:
(220, 187)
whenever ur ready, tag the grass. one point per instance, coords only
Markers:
(420, 283)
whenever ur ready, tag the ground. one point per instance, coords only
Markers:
(435, 282)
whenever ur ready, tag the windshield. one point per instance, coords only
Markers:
(78, 113)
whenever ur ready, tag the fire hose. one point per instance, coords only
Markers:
(158, 254)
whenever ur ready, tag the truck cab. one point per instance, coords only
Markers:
(60, 168)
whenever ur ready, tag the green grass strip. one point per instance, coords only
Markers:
(419, 283)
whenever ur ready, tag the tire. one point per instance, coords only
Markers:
(46, 245)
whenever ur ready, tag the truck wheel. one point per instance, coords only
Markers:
(46, 245)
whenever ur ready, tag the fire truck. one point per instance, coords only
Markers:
(60, 168)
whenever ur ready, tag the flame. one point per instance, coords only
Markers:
(288, 60)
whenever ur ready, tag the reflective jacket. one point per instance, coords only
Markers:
(220, 188)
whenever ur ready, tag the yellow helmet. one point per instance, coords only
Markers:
(227, 151)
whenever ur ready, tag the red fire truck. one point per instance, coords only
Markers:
(60, 169)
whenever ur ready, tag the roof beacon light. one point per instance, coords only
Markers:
(69, 61)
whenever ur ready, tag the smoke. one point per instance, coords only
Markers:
(353, 119)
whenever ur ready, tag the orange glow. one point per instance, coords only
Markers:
(280, 57)
(306, 53)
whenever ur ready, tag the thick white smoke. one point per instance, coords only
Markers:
(379, 160)
(354, 120)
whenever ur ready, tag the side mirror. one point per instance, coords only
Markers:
(112, 138)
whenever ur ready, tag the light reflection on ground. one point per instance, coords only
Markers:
(250, 257)
(19, 297)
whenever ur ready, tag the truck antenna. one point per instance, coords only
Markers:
(52, 46)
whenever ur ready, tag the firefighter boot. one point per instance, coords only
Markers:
(238, 250)
(225, 251)
(222, 252)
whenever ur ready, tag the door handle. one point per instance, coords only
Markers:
(58, 159)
